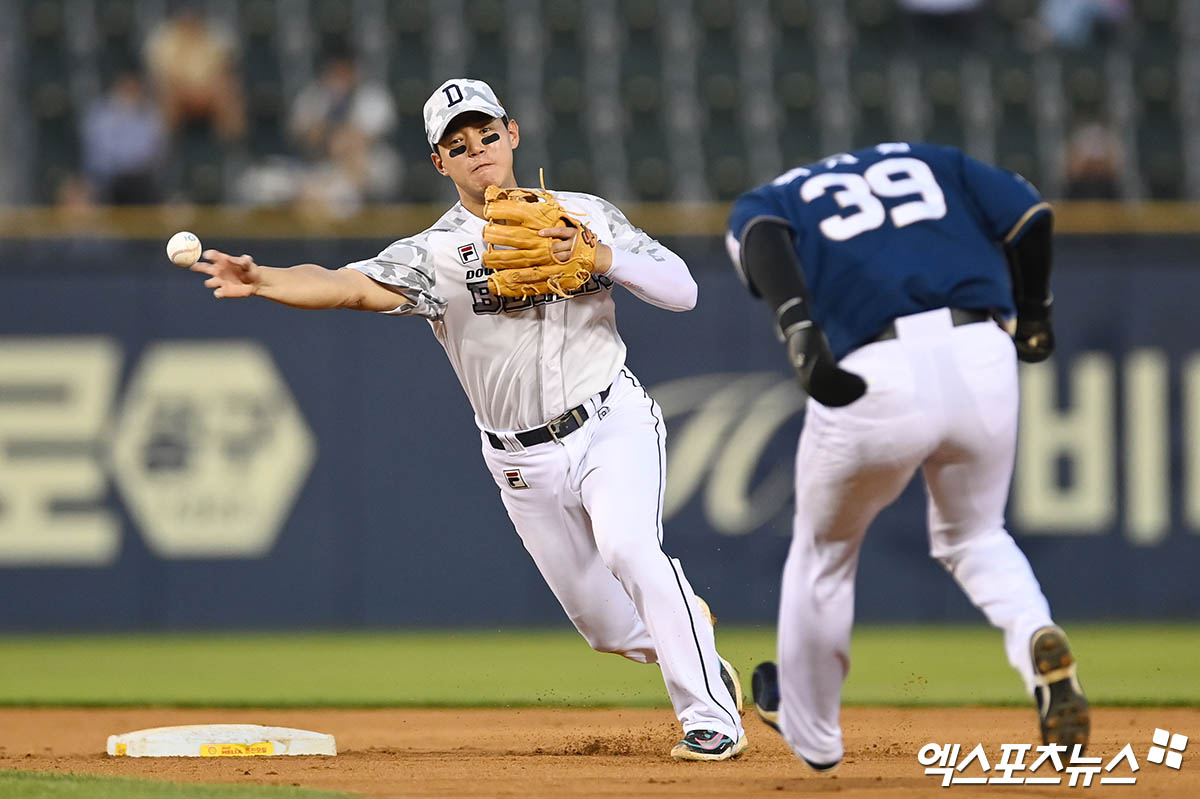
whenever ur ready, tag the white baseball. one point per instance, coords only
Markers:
(184, 249)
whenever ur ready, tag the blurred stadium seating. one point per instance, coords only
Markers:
(671, 100)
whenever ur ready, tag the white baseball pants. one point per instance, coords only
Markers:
(589, 512)
(940, 398)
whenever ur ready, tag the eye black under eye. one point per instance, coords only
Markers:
(457, 151)
(491, 138)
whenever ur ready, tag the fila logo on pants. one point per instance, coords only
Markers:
(514, 478)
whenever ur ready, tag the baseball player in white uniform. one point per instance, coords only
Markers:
(572, 439)
(885, 268)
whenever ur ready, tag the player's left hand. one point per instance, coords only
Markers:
(1034, 336)
(564, 245)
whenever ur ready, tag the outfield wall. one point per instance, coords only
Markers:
(170, 461)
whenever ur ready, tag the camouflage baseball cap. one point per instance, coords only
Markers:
(457, 96)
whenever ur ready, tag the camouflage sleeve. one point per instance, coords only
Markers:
(650, 271)
(407, 265)
(627, 237)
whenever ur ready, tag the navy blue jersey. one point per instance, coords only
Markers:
(895, 229)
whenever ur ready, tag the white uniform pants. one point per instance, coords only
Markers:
(941, 398)
(589, 511)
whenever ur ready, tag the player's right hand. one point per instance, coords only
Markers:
(229, 276)
(818, 372)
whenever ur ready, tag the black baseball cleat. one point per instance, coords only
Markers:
(729, 674)
(764, 686)
(733, 683)
(1062, 708)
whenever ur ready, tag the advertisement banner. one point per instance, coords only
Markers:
(171, 461)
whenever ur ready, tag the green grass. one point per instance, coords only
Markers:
(1122, 665)
(36, 785)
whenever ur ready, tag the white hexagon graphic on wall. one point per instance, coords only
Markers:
(210, 450)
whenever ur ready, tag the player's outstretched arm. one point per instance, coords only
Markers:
(307, 286)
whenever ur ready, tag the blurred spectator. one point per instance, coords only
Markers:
(124, 144)
(74, 198)
(1079, 23)
(192, 66)
(942, 21)
(1094, 159)
(340, 123)
(940, 7)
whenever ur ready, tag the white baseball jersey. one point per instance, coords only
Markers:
(588, 508)
(522, 362)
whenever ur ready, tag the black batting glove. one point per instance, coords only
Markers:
(1034, 335)
(818, 372)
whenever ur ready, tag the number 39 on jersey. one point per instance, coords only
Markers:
(859, 194)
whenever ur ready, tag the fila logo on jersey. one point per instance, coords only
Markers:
(467, 253)
(514, 478)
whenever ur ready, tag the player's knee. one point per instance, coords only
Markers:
(603, 640)
(616, 642)
(953, 546)
(622, 561)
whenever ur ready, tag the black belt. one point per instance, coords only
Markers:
(958, 316)
(555, 429)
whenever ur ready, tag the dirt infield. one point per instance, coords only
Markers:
(579, 753)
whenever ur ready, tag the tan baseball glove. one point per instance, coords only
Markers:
(529, 268)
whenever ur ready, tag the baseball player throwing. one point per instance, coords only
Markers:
(517, 286)
(884, 269)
